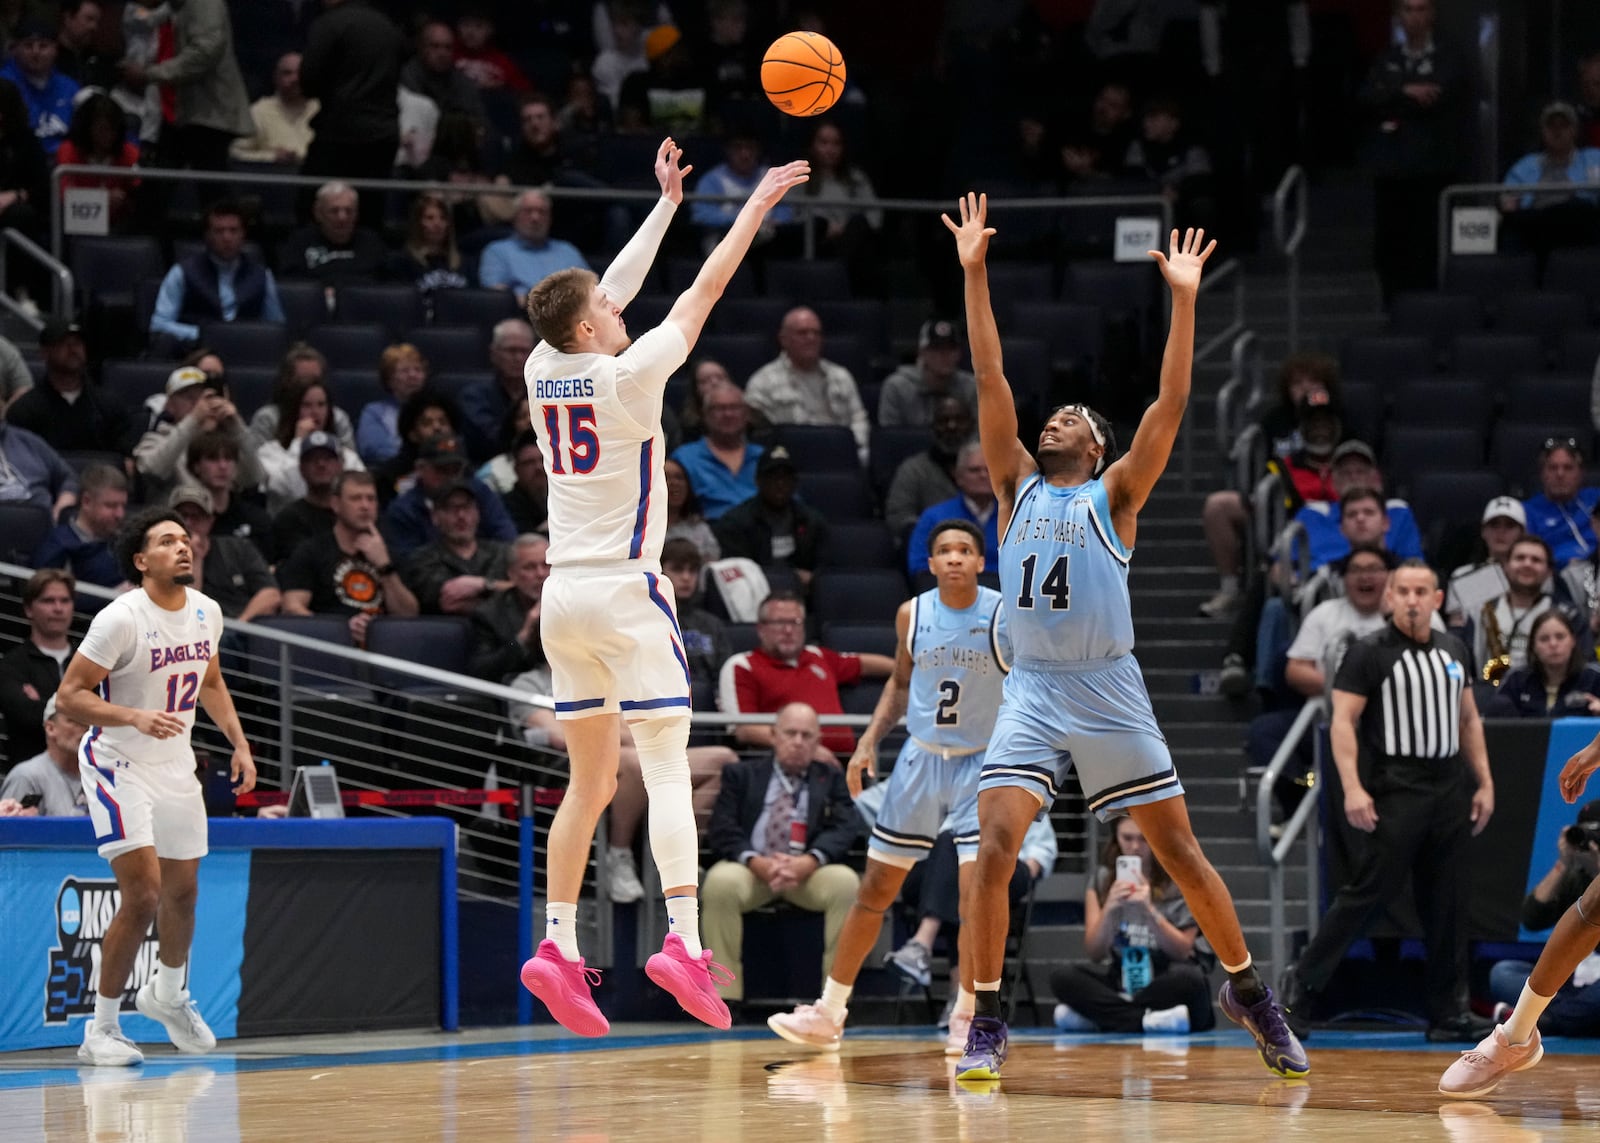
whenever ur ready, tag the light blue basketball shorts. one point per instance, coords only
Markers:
(1094, 715)
(925, 787)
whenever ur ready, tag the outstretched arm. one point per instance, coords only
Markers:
(1009, 462)
(625, 276)
(693, 306)
(1129, 480)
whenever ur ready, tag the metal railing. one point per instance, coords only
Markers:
(1460, 193)
(388, 723)
(1238, 399)
(61, 284)
(1288, 239)
(1274, 852)
(617, 196)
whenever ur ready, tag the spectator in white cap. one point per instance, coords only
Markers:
(50, 779)
(1472, 585)
(286, 465)
(911, 391)
(195, 405)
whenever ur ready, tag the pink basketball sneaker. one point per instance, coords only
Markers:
(564, 985)
(692, 981)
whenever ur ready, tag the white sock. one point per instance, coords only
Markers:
(561, 926)
(683, 918)
(834, 998)
(1230, 969)
(108, 1012)
(168, 982)
(1524, 1018)
(966, 1003)
(1230, 584)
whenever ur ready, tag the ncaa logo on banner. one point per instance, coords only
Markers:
(83, 914)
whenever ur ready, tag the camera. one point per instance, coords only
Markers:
(1582, 835)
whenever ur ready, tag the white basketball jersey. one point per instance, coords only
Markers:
(157, 659)
(599, 424)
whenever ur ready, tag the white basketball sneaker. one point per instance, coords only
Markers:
(181, 1019)
(108, 1048)
(808, 1025)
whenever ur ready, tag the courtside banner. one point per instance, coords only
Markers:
(1567, 737)
(55, 905)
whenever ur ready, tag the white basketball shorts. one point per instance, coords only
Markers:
(613, 643)
(133, 806)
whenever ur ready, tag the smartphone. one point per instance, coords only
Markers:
(31, 800)
(1130, 869)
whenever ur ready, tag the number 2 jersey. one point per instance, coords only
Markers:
(598, 419)
(959, 661)
(157, 660)
(1064, 576)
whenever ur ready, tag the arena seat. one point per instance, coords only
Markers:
(1438, 317)
(1074, 332)
(1448, 402)
(804, 282)
(107, 269)
(251, 387)
(1495, 357)
(741, 354)
(452, 348)
(1547, 314)
(1410, 449)
(1561, 399)
(1572, 269)
(350, 346)
(890, 446)
(1445, 497)
(857, 595)
(860, 544)
(1489, 277)
(1363, 411)
(819, 448)
(396, 306)
(754, 316)
(1514, 448)
(862, 318)
(473, 306)
(23, 528)
(439, 641)
(1386, 357)
(679, 273)
(132, 381)
(860, 638)
(1580, 349)
(246, 342)
(838, 495)
(305, 304)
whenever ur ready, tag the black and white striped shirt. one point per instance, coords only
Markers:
(1413, 692)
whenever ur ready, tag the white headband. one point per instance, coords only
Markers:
(1094, 431)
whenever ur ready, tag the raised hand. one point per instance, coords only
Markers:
(1575, 774)
(670, 172)
(777, 180)
(972, 236)
(1181, 265)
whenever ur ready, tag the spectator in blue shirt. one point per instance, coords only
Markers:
(1559, 515)
(220, 283)
(721, 465)
(974, 500)
(1559, 160)
(32, 472)
(519, 262)
(83, 544)
(1355, 465)
(738, 174)
(47, 92)
(408, 521)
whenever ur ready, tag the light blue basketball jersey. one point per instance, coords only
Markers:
(959, 660)
(1064, 576)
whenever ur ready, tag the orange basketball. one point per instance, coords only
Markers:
(802, 73)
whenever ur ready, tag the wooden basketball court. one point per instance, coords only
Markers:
(650, 1083)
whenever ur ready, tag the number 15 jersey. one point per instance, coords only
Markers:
(1064, 576)
(157, 660)
(598, 419)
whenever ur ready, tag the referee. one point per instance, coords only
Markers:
(1409, 747)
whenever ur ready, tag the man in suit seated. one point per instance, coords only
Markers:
(781, 827)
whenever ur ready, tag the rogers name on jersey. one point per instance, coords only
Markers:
(563, 389)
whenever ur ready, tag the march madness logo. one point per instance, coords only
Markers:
(83, 913)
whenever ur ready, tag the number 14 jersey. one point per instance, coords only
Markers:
(1064, 576)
